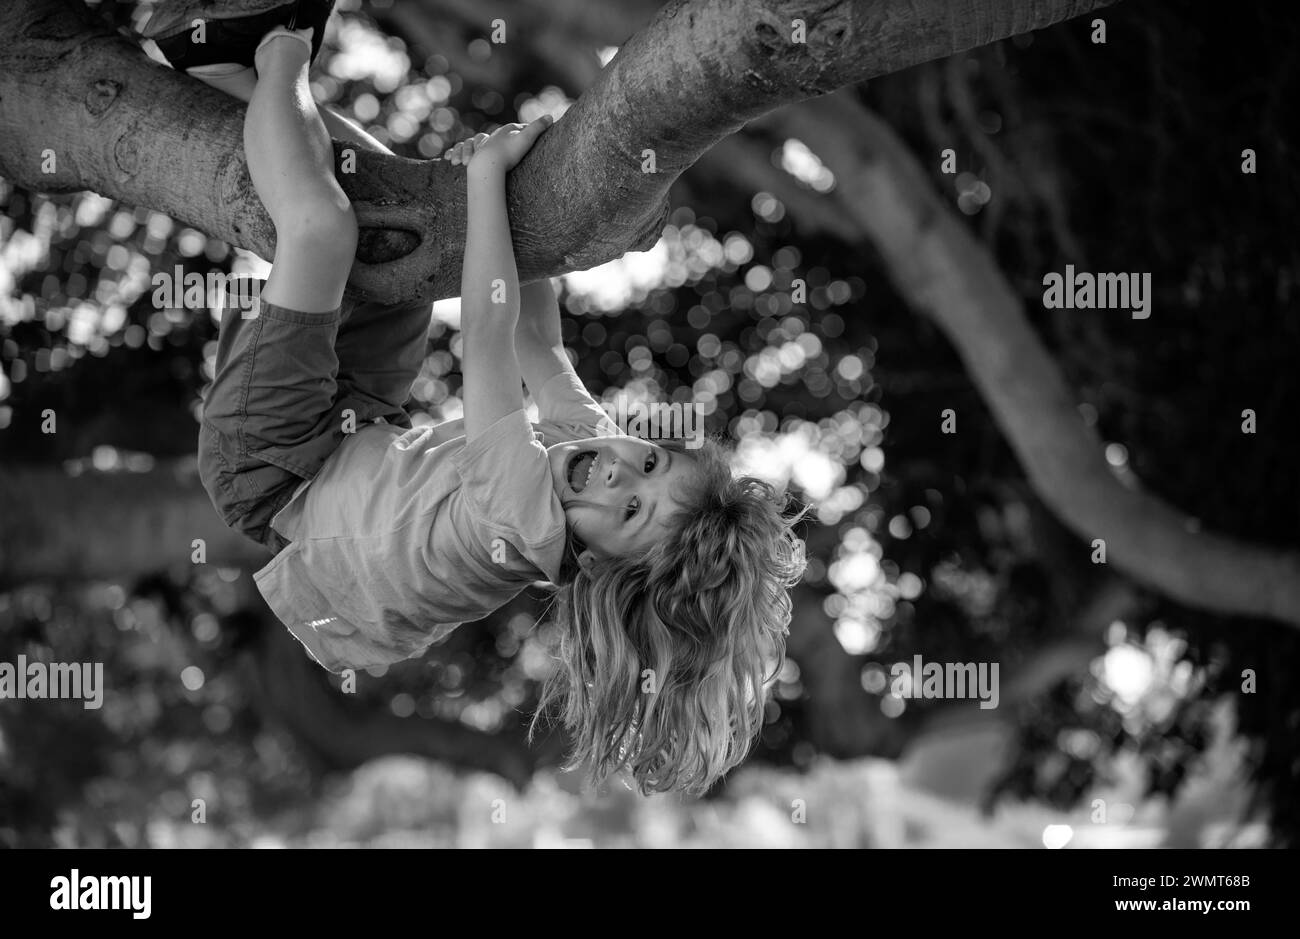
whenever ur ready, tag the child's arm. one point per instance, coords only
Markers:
(489, 281)
(537, 337)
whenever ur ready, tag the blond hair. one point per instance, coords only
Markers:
(665, 660)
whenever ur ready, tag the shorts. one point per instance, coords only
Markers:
(289, 387)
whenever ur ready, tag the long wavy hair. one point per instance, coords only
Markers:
(666, 660)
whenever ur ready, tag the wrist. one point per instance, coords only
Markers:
(484, 172)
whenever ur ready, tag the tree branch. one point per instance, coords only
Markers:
(130, 129)
(947, 274)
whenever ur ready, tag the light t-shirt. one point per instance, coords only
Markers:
(405, 534)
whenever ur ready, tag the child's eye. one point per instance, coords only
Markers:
(651, 461)
(633, 506)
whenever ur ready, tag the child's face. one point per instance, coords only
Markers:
(618, 492)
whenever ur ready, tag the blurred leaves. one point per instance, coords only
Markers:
(1126, 155)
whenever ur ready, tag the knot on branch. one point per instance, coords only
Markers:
(809, 55)
(380, 245)
(768, 37)
(57, 24)
(233, 178)
(103, 92)
(126, 152)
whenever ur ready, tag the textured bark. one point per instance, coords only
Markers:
(133, 130)
(946, 273)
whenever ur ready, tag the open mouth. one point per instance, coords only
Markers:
(582, 466)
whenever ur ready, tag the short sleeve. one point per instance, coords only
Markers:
(567, 411)
(506, 481)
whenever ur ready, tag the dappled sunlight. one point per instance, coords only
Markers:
(798, 341)
(804, 165)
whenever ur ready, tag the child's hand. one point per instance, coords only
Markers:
(502, 149)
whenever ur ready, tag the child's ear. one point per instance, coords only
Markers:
(586, 559)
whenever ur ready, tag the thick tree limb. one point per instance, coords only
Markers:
(133, 130)
(947, 274)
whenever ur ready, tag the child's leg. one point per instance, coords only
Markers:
(291, 162)
(273, 414)
(380, 347)
(240, 81)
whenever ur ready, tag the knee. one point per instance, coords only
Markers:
(322, 227)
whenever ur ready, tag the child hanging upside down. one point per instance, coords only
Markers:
(671, 573)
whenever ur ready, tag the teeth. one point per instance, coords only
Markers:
(594, 458)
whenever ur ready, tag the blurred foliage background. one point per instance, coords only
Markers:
(1121, 720)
